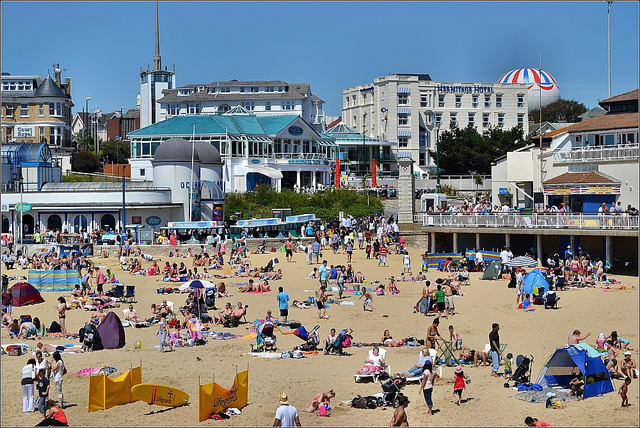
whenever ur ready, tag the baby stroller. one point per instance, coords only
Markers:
(391, 389)
(311, 338)
(522, 374)
(210, 298)
(265, 339)
(343, 340)
(88, 337)
(270, 266)
(262, 248)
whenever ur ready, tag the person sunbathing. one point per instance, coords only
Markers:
(301, 305)
(223, 315)
(387, 340)
(238, 312)
(249, 287)
(471, 356)
(417, 369)
(132, 315)
(373, 364)
(321, 398)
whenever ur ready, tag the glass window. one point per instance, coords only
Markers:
(403, 119)
(521, 119)
(440, 100)
(143, 172)
(249, 105)
(403, 141)
(500, 120)
(194, 108)
(438, 120)
(498, 100)
(472, 118)
(9, 110)
(21, 86)
(520, 100)
(453, 120)
(288, 105)
(458, 101)
(212, 90)
(487, 101)
(146, 149)
(423, 139)
(422, 159)
(174, 109)
(40, 109)
(267, 105)
(135, 149)
(485, 120)
(41, 137)
(243, 89)
(423, 101)
(403, 98)
(12, 86)
(5, 86)
(474, 101)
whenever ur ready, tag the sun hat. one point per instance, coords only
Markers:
(458, 369)
(283, 398)
(509, 355)
(551, 394)
(627, 353)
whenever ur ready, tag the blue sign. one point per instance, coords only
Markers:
(295, 130)
(255, 160)
(308, 161)
(467, 89)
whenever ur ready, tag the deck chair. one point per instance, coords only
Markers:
(138, 324)
(374, 377)
(445, 352)
(131, 294)
(119, 293)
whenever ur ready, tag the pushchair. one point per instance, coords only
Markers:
(262, 248)
(210, 298)
(522, 374)
(270, 266)
(343, 340)
(310, 337)
(391, 389)
(265, 339)
(88, 336)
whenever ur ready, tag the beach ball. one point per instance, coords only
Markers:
(138, 344)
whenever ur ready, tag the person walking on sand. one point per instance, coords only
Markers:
(368, 299)
(283, 303)
(288, 247)
(426, 386)
(400, 415)
(321, 297)
(286, 414)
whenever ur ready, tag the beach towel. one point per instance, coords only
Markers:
(106, 370)
(273, 355)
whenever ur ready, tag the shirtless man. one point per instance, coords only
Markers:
(223, 315)
(320, 299)
(237, 313)
(426, 297)
(448, 298)
(575, 337)
(99, 316)
(132, 315)
(321, 398)
(288, 246)
(368, 299)
(6, 318)
(399, 415)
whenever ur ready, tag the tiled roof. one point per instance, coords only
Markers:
(603, 122)
(48, 88)
(627, 96)
(591, 177)
(334, 123)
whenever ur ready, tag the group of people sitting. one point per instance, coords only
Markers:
(230, 316)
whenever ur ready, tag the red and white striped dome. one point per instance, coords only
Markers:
(542, 88)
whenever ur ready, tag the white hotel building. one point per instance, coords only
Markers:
(410, 108)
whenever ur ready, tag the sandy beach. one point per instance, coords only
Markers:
(488, 403)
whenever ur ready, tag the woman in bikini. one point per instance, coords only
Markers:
(387, 340)
(432, 334)
(62, 309)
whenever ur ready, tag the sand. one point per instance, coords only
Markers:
(484, 302)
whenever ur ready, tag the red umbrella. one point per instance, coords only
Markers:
(374, 175)
(337, 172)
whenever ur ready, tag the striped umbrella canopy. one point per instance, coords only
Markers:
(521, 261)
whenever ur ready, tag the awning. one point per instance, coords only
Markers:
(272, 173)
(404, 110)
(404, 133)
(504, 191)
(404, 90)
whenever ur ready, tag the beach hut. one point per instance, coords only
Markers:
(492, 271)
(111, 333)
(560, 368)
(23, 294)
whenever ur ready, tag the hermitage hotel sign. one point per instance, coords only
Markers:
(468, 89)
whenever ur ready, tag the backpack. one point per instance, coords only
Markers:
(359, 402)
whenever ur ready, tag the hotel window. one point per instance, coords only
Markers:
(422, 159)
(243, 89)
(346, 101)
(225, 89)
(423, 139)
(403, 141)
(474, 101)
(193, 108)
(174, 109)
(40, 109)
(12, 86)
(521, 119)
(184, 92)
(355, 120)
(55, 109)
(403, 98)
(288, 105)
(440, 100)
(9, 110)
(403, 119)
(249, 105)
(423, 101)
(485, 120)
(41, 137)
(520, 100)
(458, 101)
(453, 120)
(438, 120)
(472, 119)
(267, 105)
(143, 172)
(269, 89)
(354, 99)
(9, 133)
(500, 120)
(21, 86)
(5, 86)
(487, 101)
(255, 89)
(499, 100)
(24, 110)
(212, 90)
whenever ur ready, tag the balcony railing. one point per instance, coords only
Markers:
(309, 156)
(534, 220)
(598, 154)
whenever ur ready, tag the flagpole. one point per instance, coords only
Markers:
(193, 149)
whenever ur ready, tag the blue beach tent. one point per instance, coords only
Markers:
(535, 278)
(559, 368)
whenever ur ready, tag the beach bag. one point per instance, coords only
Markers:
(55, 327)
(359, 402)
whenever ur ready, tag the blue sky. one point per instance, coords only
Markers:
(331, 45)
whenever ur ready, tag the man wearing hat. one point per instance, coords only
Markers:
(628, 365)
(286, 415)
(400, 416)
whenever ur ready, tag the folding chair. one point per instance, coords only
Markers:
(131, 294)
(119, 293)
(445, 352)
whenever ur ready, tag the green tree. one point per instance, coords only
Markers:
(559, 111)
(85, 143)
(463, 149)
(84, 161)
(114, 151)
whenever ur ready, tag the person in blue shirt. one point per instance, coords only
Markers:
(283, 302)
(333, 272)
(309, 230)
(568, 253)
(316, 250)
(322, 272)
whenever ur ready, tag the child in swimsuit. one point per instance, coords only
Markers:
(623, 392)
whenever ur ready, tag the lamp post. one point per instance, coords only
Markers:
(364, 146)
(86, 103)
(438, 157)
(20, 182)
(124, 209)
(609, 44)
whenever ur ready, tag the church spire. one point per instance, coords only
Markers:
(157, 63)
